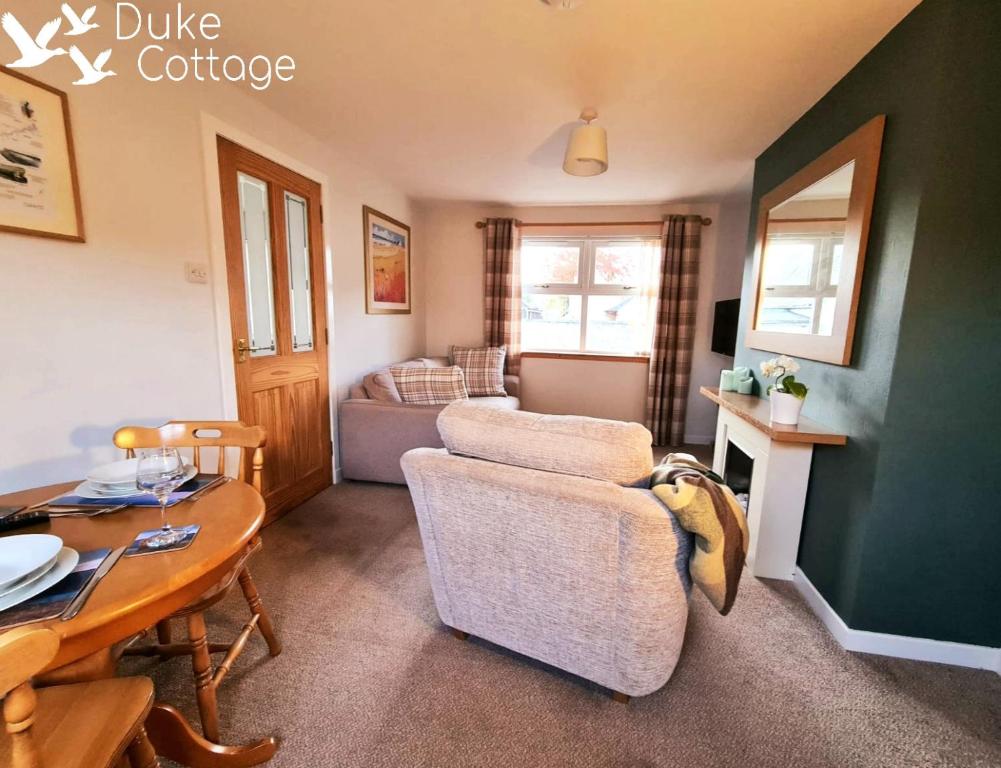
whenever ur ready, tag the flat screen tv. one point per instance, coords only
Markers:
(725, 327)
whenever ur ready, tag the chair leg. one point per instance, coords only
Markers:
(459, 633)
(201, 663)
(141, 753)
(621, 698)
(163, 632)
(163, 635)
(258, 609)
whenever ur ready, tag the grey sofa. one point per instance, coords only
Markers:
(541, 536)
(374, 434)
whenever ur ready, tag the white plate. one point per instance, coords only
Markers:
(21, 555)
(88, 491)
(116, 472)
(33, 576)
(65, 563)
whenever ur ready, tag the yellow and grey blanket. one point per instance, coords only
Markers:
(710, 511)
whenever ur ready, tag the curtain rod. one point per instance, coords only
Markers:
(482, 224)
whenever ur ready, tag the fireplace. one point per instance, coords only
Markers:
(775, 459)
(737, 470)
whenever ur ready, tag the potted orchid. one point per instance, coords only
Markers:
(786, 395)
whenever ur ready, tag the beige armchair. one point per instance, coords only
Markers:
(541, 536)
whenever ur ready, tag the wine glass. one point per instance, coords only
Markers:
(159, 472)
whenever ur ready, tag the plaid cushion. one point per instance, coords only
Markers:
(483, 368)
(429, 386)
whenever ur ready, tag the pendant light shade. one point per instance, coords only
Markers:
(587, 152)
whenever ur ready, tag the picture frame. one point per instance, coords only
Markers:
(387, 264)
(39, 186)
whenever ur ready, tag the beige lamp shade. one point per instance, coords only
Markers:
(587, 152)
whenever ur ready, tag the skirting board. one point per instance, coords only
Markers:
(899, 646)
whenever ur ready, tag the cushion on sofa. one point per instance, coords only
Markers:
(429, 386)
(483, 368)
(615, 451)
(380, 386)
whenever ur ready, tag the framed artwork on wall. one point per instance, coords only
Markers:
(39, 191)
(387, 264)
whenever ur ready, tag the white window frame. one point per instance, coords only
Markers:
(586, 287)
(823, 283)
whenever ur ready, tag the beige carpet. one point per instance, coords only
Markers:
(370, 678)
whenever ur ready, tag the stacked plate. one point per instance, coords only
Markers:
(116, 480)
(30, 564)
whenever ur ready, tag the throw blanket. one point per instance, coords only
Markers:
(708, 509)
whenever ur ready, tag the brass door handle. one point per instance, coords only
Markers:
(242, 348)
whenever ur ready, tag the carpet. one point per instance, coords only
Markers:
(369, 677)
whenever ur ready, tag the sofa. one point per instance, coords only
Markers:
(376, 431)
(542, 536)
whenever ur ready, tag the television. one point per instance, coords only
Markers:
(725, 327)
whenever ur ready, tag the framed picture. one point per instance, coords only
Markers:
(39, 192)
(387, 264)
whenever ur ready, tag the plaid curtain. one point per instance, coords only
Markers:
(671, 355)
(502, 289)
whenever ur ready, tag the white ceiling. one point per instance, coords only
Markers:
(473, 99)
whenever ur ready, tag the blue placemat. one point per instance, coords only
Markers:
(194, 485)
(56, 599)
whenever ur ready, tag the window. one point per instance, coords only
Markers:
(592, 294)
(800, 281)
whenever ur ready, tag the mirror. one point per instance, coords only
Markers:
(810, 249)
(802, 258)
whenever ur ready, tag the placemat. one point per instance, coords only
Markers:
(56, 599)
(193, 486)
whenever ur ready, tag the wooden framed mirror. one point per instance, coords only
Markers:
(810, 251)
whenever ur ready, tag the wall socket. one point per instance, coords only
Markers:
(196, 272)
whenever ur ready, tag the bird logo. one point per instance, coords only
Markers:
(33, 51)
(80, 25)
(91, 73)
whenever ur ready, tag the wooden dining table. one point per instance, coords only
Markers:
(139, 591)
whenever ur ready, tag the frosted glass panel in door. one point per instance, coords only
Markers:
(300, 292)
(257, 268)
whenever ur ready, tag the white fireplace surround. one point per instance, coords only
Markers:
(779, 478)
(782, 454)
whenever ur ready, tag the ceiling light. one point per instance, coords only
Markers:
(563, 5)
(587, 151)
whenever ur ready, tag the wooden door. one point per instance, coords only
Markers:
(274, 264)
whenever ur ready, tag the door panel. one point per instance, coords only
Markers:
(274, 247)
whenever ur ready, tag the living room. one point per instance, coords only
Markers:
(582, 383)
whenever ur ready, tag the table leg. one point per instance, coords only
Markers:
(201, 662)
(174, 738)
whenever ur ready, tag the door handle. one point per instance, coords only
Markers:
(242, 348)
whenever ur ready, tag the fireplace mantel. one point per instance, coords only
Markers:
(757, 412)
(781, 456)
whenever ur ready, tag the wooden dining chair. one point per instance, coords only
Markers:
(199, 436)
(85, 725)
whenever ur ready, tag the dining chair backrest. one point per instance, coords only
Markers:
(198, 435)
(23, 653)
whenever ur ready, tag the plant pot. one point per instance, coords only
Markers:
(785, 408)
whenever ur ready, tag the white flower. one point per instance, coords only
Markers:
(768, 368)
(788, 364)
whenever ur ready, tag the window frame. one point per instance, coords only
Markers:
(586, 287)
(823, 280)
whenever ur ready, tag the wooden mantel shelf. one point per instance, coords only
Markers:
(757, 412)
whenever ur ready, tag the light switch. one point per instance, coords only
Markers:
(196, 271)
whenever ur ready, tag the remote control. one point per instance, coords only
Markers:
(22, 519)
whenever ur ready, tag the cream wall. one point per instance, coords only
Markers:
(452, 249)
(108, 332)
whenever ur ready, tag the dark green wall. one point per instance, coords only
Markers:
(902, 532)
